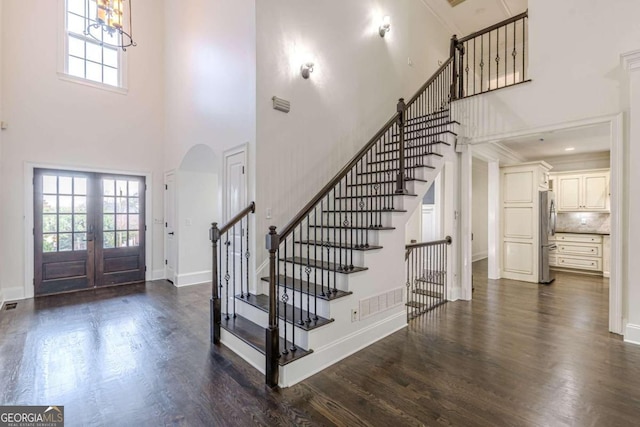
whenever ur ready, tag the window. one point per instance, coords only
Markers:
(89, 56)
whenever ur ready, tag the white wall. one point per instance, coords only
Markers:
(352, 92)
(480, 210)
(1, 133)
(59, 123)
(210, 84)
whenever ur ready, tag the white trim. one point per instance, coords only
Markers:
(79, 80)
(493, 219)
(190, 279)
(480, 256)
(164, 228)
(632, 334)
(158, 275)
(327, 355)
(28, 291)
(1, 300)
(616, 186)
(14, 294)
(496, 151)
(631, 60)
(466, 216)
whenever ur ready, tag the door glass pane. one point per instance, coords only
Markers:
(66, 185)
(79, 242)
(49, 223)
(121, 239)
(134, 238)
(109, 205)
(50, 243)
(49, 204)
(121, 188)
(109, 240)
(80, 204)
(80, 186)
(134, 189)
(65, 242)
(109, 222)
(49, 184)
(108, 187)
(133, 222)
(65, 223)
(121, 205)
(134, 205)
(65, 204)
(80, 223)
(121, 222)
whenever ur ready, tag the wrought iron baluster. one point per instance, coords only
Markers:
(241, 265)
(301, 260)
(227, 277)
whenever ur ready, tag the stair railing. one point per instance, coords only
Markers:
(319, 242)
(426, 265)
(492, 58)
(230, 267)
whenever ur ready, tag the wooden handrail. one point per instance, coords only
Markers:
(508, 21)
(249, 209)
(446, 240)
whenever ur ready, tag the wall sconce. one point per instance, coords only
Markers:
(306, 69)
(385, 27)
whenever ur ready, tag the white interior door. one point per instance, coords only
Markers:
(235, 200)
(429, 232)
(170, 240)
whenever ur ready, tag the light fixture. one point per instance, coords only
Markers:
(385, 27)
(110, 19)
(569, 148)
(306, 69)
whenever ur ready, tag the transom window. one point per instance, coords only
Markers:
(89, 56)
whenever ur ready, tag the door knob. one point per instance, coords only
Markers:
(171, 234)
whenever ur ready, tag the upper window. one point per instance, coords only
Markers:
(88, 54)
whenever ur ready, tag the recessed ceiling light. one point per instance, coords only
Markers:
(541, 139)
(569, 148)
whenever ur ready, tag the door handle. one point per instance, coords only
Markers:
(172, 233)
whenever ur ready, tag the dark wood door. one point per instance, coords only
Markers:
(89, 230)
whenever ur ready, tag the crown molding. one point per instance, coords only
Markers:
(631, 60)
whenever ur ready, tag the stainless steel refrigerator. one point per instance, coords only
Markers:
(547, 229)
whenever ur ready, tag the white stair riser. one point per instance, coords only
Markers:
(341, 279)
(244, 350)
(323, 306)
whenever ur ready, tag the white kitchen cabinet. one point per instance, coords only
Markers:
(586, 191)
(579, 251)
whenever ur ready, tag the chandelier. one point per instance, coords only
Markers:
(109, 20)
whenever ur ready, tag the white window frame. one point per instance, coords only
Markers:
(63, 51)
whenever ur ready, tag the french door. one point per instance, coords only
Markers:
(89, 230)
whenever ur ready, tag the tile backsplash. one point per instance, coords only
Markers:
(594, 222)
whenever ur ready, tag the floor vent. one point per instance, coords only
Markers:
(10, 305)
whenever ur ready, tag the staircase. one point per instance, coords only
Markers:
(337, 280)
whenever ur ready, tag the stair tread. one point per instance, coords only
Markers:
(261, 302)
(386, 182)
(422, 137)
(352, 228)
(396, 170)
(376, 195)
(428, 293)
(421, 126)
(324, 265)
(301, 286)
(431, 116)
(413, 147)
(365, 210)
(254, 335)
(408, 156)
(337, 245)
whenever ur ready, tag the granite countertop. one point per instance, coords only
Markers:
(598, 233)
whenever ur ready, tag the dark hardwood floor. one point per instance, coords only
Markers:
(520, 354)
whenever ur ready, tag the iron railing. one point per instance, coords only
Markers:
(426, 276)
(230, 261)
(493, 58)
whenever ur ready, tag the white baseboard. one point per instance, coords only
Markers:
(455, 294)
(1, 300)
(158, 274)
(479, 256)
(632, 334)
(325, 356)
(190, 279)
(13, 294)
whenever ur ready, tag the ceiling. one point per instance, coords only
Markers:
(473, 15)
(586, 139)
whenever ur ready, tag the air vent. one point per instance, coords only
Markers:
(10, 305)
(382, 302)
(454, 3)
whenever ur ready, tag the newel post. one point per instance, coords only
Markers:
(454, 78)
(215, 306)
(401, 187)
(272, 334)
